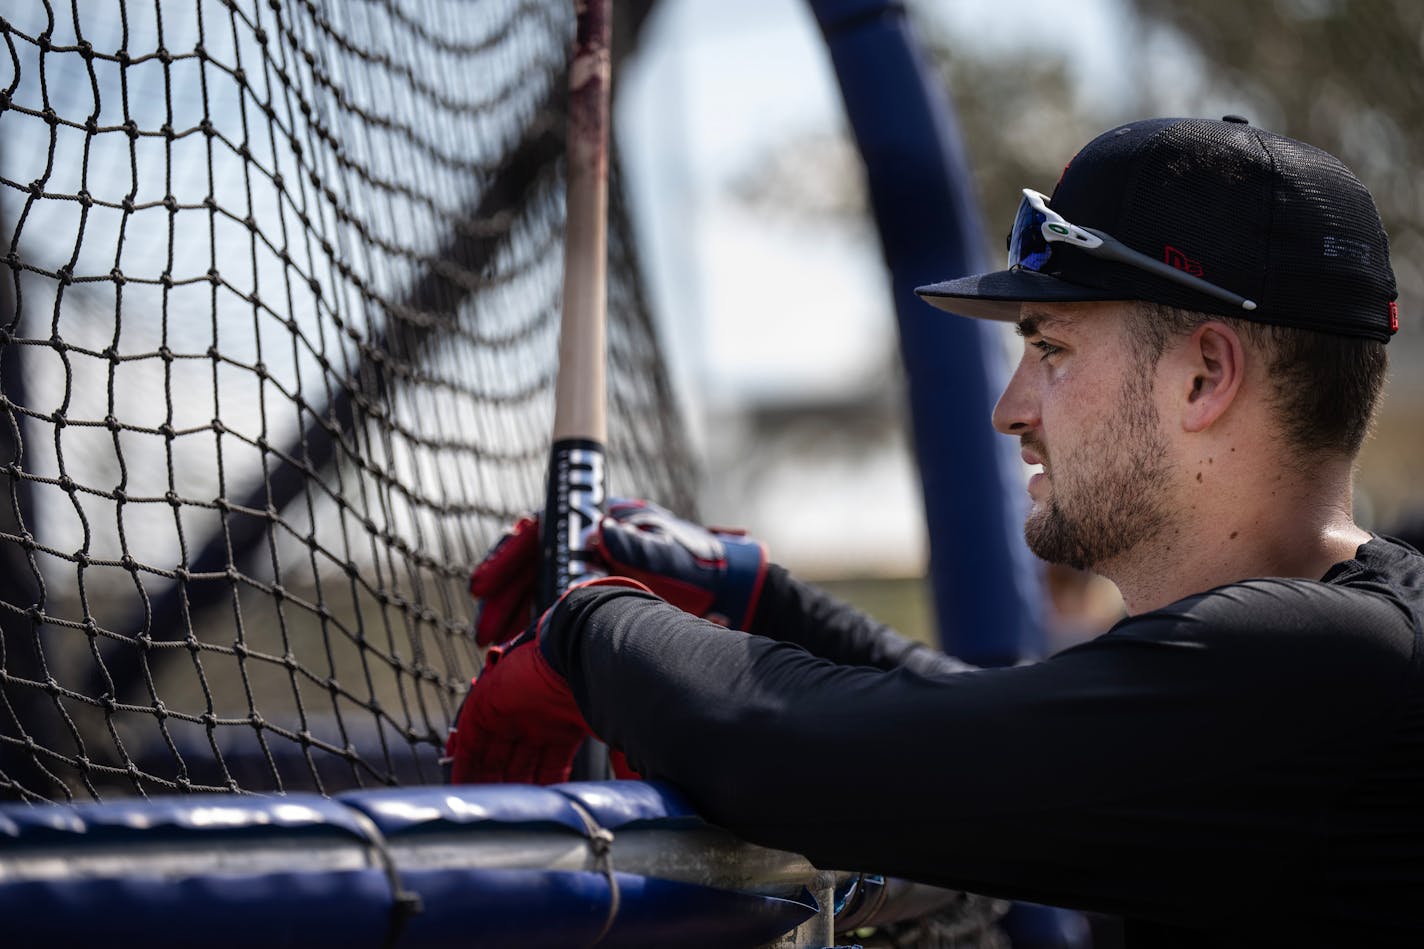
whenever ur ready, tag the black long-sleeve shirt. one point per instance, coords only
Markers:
(1242, 767)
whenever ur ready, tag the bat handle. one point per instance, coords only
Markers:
(572, 507)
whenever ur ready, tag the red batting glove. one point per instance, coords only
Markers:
(505, 582)
(622, 770)
(710, 572)
(519, 723)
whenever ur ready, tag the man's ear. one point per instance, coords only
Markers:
(1214, 361)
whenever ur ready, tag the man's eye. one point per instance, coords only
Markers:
(1045, 348)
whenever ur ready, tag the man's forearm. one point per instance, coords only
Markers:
(797, 612)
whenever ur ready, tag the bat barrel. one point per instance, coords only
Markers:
(580, 394)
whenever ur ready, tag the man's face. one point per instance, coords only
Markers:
(1082, 405)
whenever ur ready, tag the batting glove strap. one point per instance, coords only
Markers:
(741, 586)
(714, 574)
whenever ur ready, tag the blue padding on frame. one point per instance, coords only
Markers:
(164, 819)
(409, 810)
(537, 909)
(347, 909)
(114, 904)
(621, 804)
(661, 913)
(612, 804)
(556, 910)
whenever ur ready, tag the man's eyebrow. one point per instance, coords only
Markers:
(1034, 321)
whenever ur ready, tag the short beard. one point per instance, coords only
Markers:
(1096, 514)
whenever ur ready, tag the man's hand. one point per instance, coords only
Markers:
(519, 723)
(708, 572)
(505, 582)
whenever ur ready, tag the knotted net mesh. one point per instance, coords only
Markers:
(277, 340)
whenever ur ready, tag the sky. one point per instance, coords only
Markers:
(690, 127)
(758, 307)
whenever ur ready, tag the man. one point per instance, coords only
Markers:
(1204, 308)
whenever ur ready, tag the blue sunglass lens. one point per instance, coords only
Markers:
(1027, 248)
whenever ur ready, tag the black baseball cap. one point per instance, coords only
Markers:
(1272, 229)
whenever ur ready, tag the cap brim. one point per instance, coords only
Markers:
(997, 296)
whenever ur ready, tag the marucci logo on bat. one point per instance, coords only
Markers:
(579, 487)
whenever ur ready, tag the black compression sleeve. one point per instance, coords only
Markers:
(796, 612)
(1147, 773)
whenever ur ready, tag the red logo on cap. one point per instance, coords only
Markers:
(1181, 261)
(1393, 317)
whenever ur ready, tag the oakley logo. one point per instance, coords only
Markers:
(1181, 261)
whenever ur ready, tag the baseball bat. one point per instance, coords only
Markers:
(575, 486)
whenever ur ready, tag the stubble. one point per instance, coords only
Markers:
(1108, 489)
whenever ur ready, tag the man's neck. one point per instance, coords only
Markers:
(1296, 524)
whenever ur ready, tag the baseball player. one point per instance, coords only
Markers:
(1204, 309)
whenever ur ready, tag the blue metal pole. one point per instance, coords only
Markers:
(987, 587)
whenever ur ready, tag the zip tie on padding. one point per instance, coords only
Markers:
(600, 841)
(404, 903)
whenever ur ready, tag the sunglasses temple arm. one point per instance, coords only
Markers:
(1113, 249)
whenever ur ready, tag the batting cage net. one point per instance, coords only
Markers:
(278, 336)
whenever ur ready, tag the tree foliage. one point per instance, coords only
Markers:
(1347, 75)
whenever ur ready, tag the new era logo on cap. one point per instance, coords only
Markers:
(1182, 262)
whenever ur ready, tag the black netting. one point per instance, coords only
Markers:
(278, 348)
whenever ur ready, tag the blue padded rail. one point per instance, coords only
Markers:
(155, 820)
(64, 876)
(398, 811)
(228, 871)
(626, 804)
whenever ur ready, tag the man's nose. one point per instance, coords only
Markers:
(1017, 410)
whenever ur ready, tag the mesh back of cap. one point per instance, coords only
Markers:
(1200, 194)
(1274, 220)
(1330, 254)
